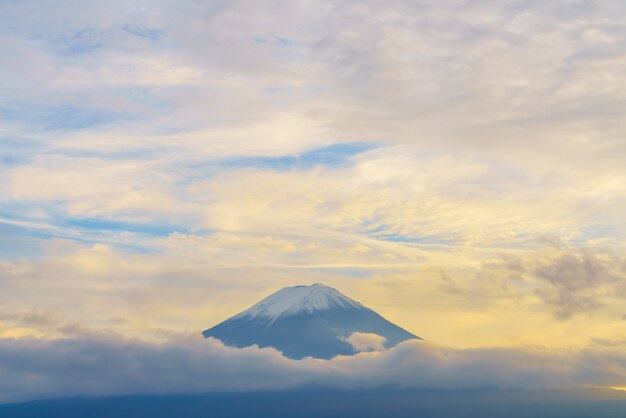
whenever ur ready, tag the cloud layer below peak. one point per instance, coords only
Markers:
(105, 364)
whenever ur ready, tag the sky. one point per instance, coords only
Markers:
(458, 166)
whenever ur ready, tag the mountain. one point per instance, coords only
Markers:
(303, 321)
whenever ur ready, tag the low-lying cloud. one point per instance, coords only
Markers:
(102, 364)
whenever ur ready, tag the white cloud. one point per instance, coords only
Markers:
(363, 341)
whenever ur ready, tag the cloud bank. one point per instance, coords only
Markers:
(111, 365)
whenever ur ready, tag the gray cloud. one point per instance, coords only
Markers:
(38, 319)
(106, 364)
(449, 285)
(570, 280)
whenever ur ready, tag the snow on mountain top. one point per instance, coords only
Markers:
(298, 299)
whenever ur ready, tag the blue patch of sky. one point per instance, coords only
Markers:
(143, 32)
(279, 41)
(20, 143)
(139, 154)
(22, 238)
(9, 159)
(144, 97)
(343, 271)
(376, 229)
(81, 42)
(55, 219)
(599, 231)
(52, 220)
(123, 240)
(18, 243)
(407, 239)
(333, 156)
(606, 232)
(16, 151)
(284, 42)
(159, 229)
(512, 245)
(58, 117)
(127, 242)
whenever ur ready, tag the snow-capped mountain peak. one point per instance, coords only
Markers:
(299, 299)
(302, 321)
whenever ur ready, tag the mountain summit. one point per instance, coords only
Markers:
(315, 321)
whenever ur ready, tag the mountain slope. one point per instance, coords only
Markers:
(303, 321)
